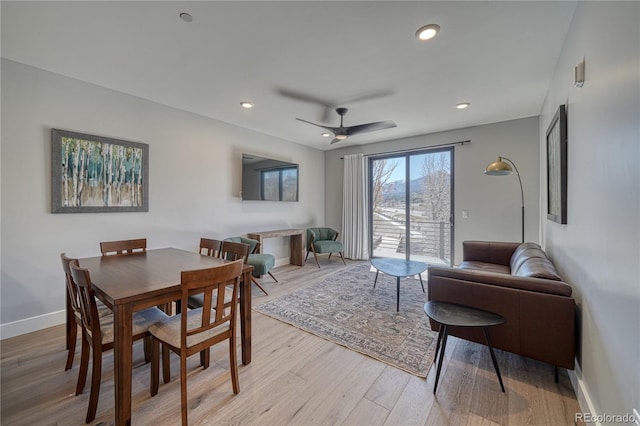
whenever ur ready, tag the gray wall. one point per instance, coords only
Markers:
(195, 182)
(598, 250)
(493, 203)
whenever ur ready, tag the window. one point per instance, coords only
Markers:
(280, 184)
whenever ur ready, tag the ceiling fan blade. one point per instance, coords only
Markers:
(369, 127)
(368, 96)
(291, 94)
(335, 140)
(331, 129)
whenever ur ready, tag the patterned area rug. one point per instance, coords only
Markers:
(345, 308)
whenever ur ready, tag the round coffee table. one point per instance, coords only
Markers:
(453, 315)
(399, 268)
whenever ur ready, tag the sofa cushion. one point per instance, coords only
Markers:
(524, 252)
(537, 267)
(484, 266)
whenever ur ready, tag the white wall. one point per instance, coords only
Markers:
(493, 203)
(598, 250)
(195, 181)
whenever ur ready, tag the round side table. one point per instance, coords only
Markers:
(453, 315)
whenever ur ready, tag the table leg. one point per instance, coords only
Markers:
(122, 353)
(440, 333)
(297, 248)
(245, 317)
(420, 276)
(398, 294)
(376, 280)
(493, 355)
(445, 333)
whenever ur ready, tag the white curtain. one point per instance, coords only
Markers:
(355, 229)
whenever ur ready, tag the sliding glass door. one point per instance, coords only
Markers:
(411, 205)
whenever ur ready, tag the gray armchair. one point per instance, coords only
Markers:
(261, 262)
(322, 240)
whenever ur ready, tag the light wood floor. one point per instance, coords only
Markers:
(295, 378)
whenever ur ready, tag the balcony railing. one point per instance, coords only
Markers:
(429, 238)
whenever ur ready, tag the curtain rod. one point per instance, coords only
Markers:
(442, 145)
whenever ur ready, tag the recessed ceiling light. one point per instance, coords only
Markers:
(186, 17)
(463, 105)
(427, 32)
(326, 135)
(246, 104)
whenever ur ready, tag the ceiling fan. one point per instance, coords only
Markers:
(342, 132)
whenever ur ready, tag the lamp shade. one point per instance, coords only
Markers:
(498, 168)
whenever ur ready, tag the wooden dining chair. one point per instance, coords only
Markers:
(210, 247)
(97, 333)
(123, 247)
(198, 329)
(229, 250)
(74, 305)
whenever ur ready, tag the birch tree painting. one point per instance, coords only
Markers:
(98, 174)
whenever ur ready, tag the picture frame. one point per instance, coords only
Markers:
(98, 174)
(557, 167)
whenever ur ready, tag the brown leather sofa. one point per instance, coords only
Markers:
(520, 283)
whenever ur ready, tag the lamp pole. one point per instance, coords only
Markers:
(521, 192)
(502, 167)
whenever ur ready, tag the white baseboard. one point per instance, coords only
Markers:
(582, 392)
(28, 325)
(282, 261)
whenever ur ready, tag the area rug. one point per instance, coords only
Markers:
(344, 308)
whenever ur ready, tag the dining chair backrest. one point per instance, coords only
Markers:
(234, 251)
(211, 282)
(71, 287)
(86, 299)
(123, 247)
(210, 247)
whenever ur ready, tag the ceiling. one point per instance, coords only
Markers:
(296, 59)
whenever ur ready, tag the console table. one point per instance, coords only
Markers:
(296, 241)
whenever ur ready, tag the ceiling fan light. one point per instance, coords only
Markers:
(341, 137)
(427, 32)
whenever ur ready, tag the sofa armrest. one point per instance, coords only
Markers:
(539, 285)
(488, 251)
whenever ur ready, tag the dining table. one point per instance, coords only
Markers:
(133, 282)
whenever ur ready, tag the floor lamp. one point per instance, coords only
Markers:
(500, 167)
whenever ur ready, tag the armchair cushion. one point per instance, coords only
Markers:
(262, 263)
(314, 235)
(328, 246)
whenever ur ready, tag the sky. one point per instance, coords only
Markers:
(415, 166)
